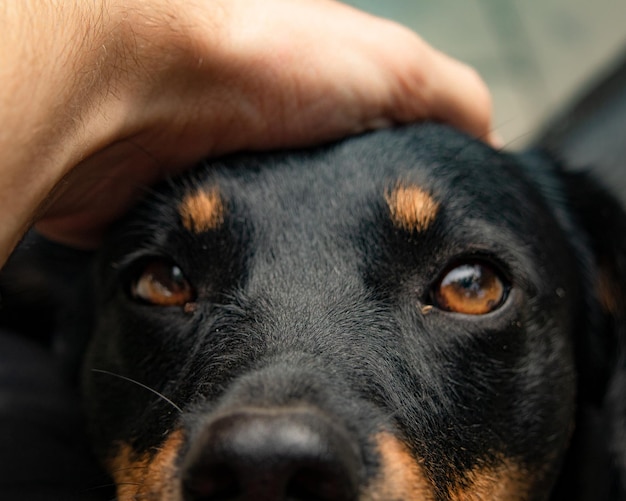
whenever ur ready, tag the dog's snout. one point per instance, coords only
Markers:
(271, 455)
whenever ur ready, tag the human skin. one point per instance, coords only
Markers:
(100, 99)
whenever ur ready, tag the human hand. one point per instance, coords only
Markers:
(183, 80)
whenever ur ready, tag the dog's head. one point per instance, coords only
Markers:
(408, 315)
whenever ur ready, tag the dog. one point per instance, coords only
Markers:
(408, 315)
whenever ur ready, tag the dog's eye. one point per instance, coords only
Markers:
(473, 288)
(162, 283)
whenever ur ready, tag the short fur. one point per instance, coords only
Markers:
(314, 315)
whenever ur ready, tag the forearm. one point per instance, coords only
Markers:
(55, 64)
(75, 76)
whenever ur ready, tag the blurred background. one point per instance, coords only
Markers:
(535, 55)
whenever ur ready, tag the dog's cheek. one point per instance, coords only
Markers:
(506, 481)
(147, 475)
(401, 476)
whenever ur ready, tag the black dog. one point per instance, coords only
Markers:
(407, 315)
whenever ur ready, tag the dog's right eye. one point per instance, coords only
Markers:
(161, 283)
(471, 288)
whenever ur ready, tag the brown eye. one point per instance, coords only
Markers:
(162, 283)
(473, 289)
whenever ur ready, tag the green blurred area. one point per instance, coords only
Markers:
(535, 55)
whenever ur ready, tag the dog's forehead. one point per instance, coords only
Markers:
(409, 174)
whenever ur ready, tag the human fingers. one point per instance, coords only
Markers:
(228, 75)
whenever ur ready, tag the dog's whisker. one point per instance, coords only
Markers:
(141, 385)
(108, 486)
(99, 487)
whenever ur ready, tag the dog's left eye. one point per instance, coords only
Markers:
(162, 283)
(472, 288)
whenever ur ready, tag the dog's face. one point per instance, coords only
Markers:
(391, 318)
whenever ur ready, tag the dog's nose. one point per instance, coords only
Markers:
(275, 455)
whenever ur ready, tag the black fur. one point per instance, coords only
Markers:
(309, 296)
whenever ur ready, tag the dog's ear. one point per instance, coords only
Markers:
(590, 132)
(596, 465)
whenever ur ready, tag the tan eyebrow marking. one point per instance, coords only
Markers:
(202, 210)
(411, 207)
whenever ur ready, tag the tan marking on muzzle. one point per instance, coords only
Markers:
(411, 208)
(147, 476)
(202, 211)
(504, 482)
(401, 478)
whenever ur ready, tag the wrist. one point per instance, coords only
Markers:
(55, 78)
(113, 80)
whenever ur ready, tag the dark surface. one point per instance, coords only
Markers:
(43, 449)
